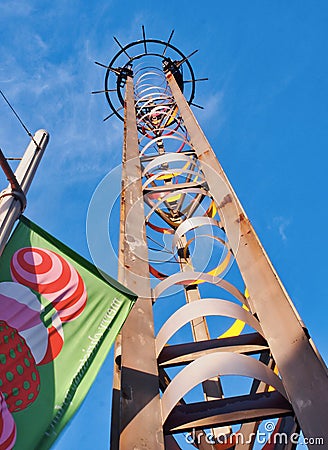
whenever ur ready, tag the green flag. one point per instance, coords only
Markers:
(58, 320)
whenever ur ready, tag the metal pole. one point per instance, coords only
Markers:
(303, 373)
(140, 421)
(12, 199)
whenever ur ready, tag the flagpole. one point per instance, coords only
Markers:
(13, 198)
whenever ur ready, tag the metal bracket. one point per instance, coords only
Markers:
(16, 190)
(18, 194)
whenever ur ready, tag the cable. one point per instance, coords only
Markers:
(19, 119)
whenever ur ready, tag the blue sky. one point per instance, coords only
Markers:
(265, 115)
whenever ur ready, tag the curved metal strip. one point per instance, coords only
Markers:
(213, 365)
(160, 229)
(148, 79)
(172, 117)
(140, 90)
(204, 307)
(157, 130)
(144, 98)
(186, 278)
(180, 135)
(238, 325)
(223, 264)
(168, 196)
(154, 111)
(167, 158)
(151, 100)
(156, 273)
(172, 136)
(173, 188)
(153, 103)
(162, 131)
(235, 329)
(158, 110)
(191, 224)
(221, 267)
(141, 87)
(211, 211)
(170, 174)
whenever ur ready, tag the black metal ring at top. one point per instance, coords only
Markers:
(123, 70)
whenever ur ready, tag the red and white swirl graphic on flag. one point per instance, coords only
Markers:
(53, 277)
(21, 310)
(7, 426)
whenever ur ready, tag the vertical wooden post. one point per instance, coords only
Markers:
(141, 421)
